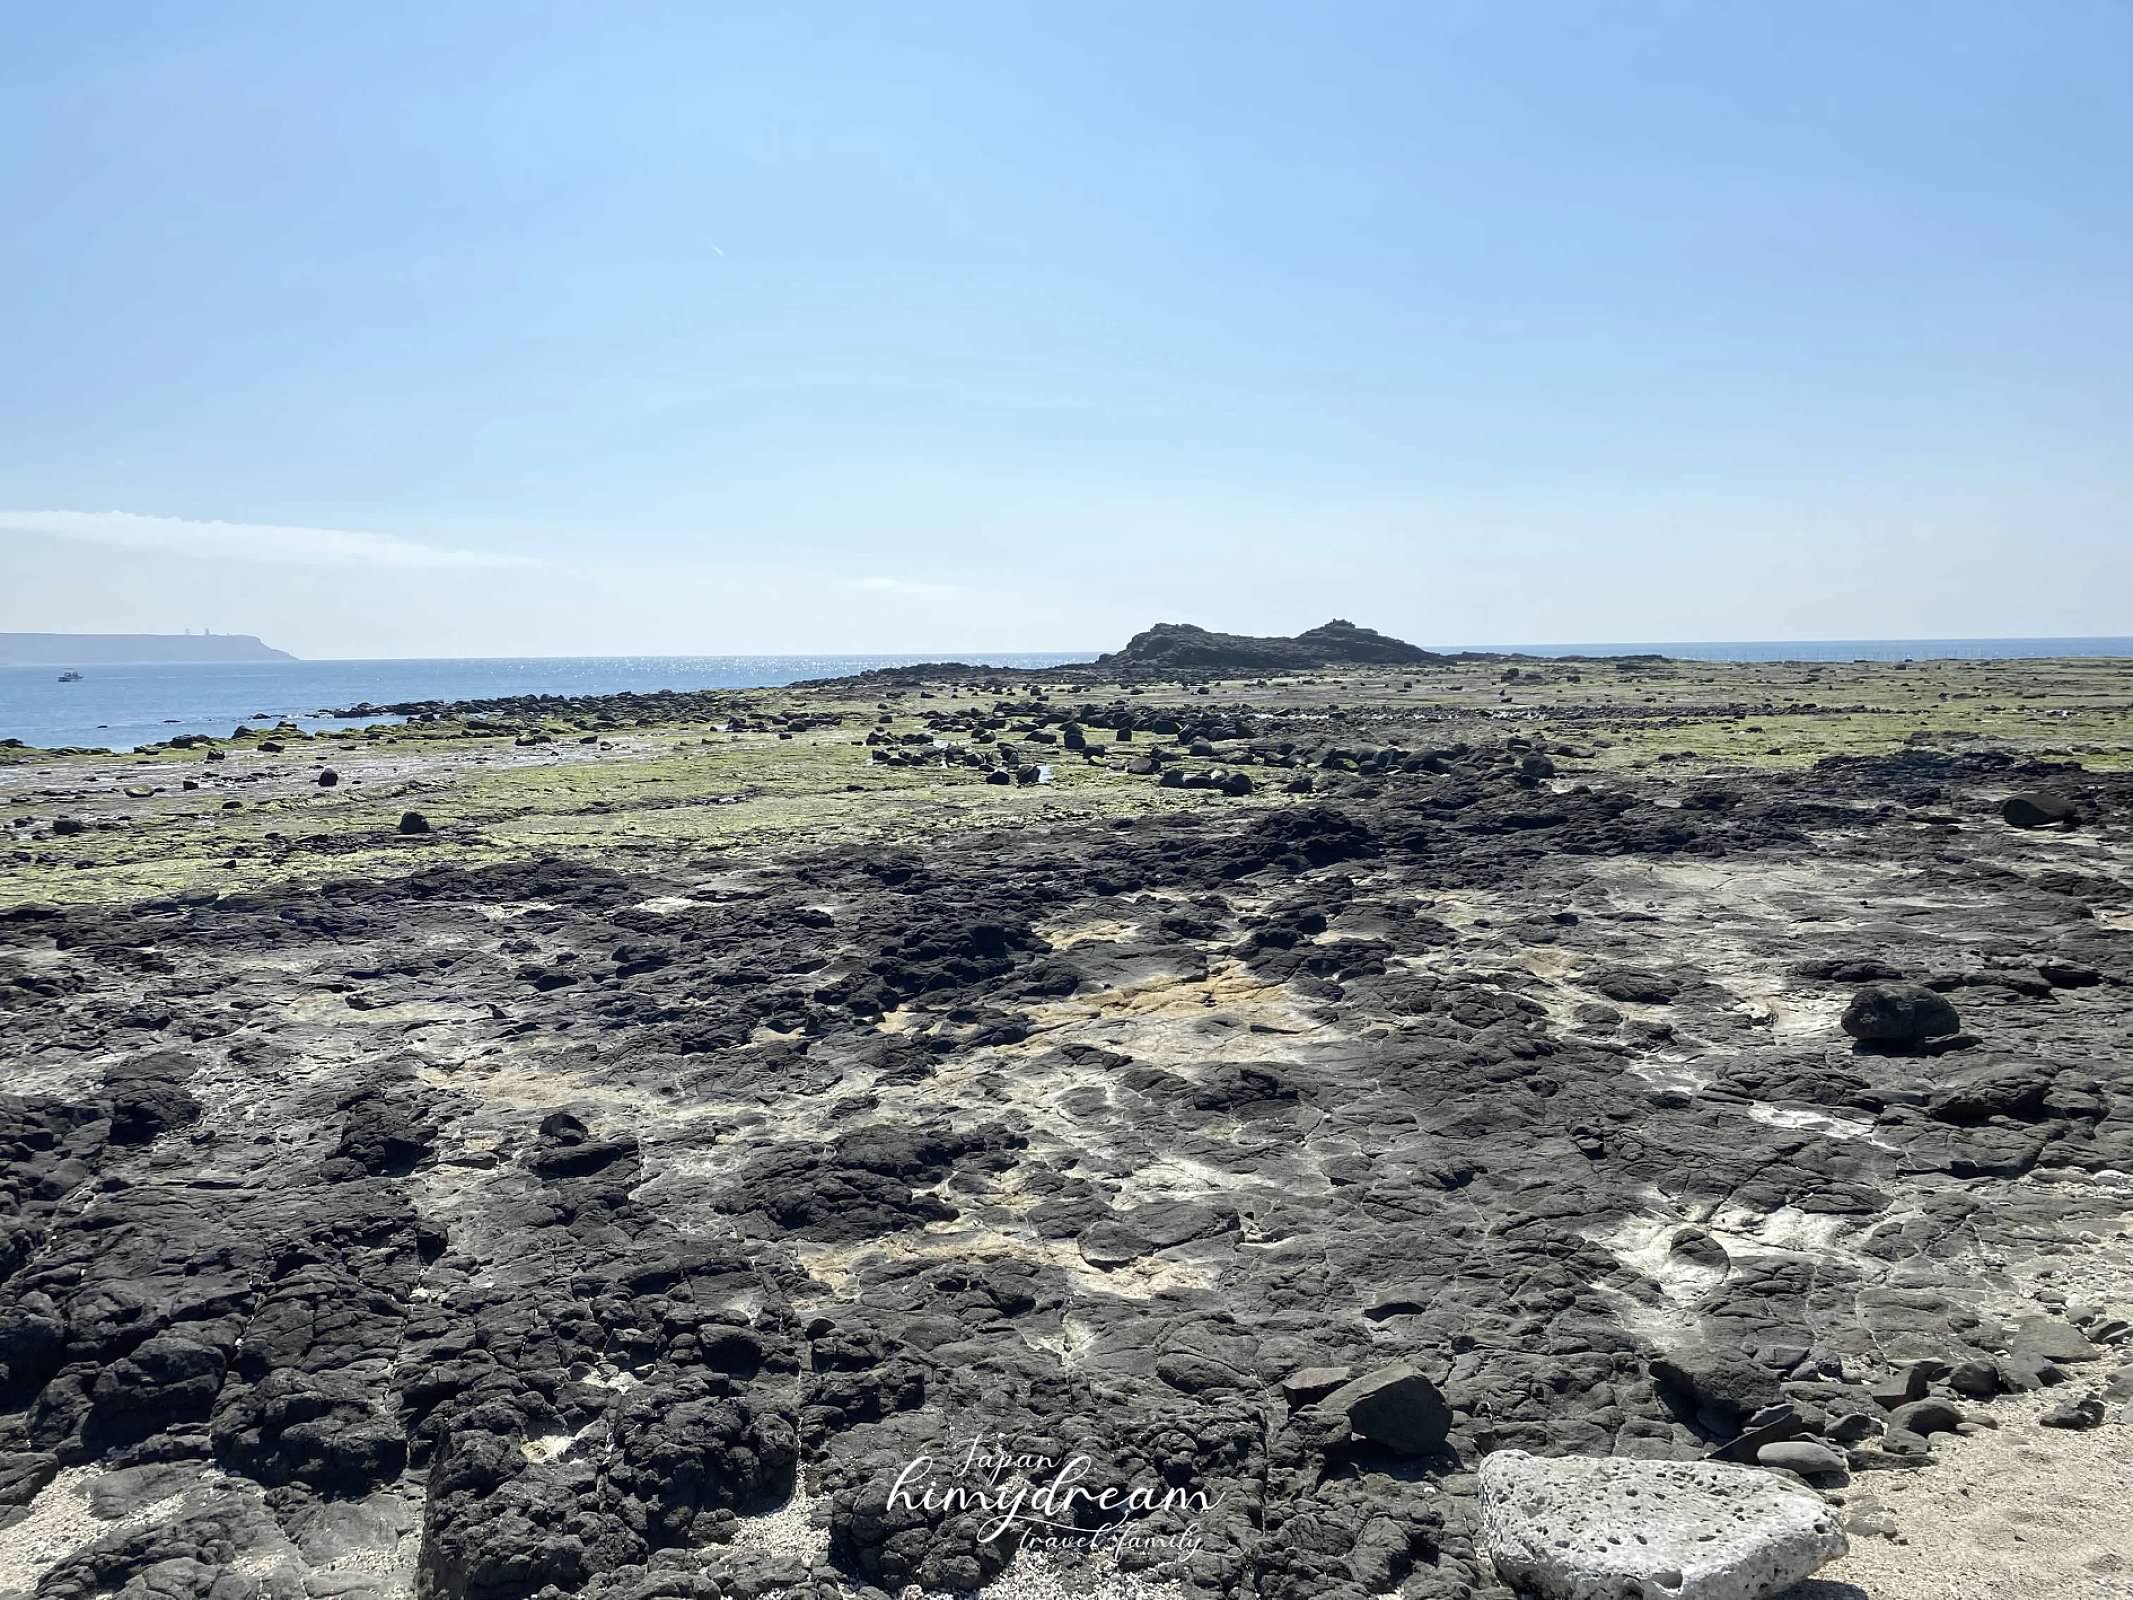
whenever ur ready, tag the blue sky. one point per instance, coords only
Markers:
(471, 327)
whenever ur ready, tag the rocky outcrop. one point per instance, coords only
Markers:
(553, 1221)
(1182, 647)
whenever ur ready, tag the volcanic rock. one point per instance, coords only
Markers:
(2051, 1339)
(148, 1096)
(1899, 1013)
(1176, 646)
(557, 1212)
(2069, 974)
(1307, 1384)
(1978, 1379)
(1901, 1388)
(1803, 1456)
(1924, 1417)
(2025, 1370)
(1581, 1528)
(1717, 1389)
(2039, 810)
(2087, 1412)
(1632, 985)
(1396, 1407)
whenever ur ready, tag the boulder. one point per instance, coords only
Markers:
(1584, 1528)
(2038, 810)
(1803, 1456)
(1925, 1418)
(1852, 1427)
(1901, 1388)
(2069, 974)
(1697, 1247)
(1717, 1390)
(1900, 1447)
(2051, 1338)
(1978, 1379)
(2084, 1413)
(414, 822)
(1899, 1013)
(2025, 1370)
(1396, 1407)
(1772, 1425)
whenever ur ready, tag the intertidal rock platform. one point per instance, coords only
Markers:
(750, 1151)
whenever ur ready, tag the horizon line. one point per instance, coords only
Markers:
(920, 657)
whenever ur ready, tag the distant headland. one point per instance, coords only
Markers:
(131, 649)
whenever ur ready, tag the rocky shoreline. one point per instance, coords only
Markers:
(554, 1225)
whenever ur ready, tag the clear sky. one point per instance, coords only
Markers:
(474, 327)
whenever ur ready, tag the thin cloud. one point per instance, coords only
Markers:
(911, 586)
(247, 541)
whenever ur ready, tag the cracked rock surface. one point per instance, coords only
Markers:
(548, 1228)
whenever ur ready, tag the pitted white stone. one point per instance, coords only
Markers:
(1612, 1528)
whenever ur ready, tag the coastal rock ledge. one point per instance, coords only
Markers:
(1584, 1528)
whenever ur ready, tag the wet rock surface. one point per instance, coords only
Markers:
(548, 1228)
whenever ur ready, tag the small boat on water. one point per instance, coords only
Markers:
(70, 677)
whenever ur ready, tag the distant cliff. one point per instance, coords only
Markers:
(133, 649)
(1175, 645)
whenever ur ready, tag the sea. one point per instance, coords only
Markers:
(120, 707)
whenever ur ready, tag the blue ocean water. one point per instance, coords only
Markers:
(119, 707)
(1830, 649)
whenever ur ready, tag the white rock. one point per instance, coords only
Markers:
(1585, 1528)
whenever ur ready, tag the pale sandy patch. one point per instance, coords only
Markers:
(2013, 1513)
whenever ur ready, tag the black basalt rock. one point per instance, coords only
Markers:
(1899, 1014)
(2037, 809)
